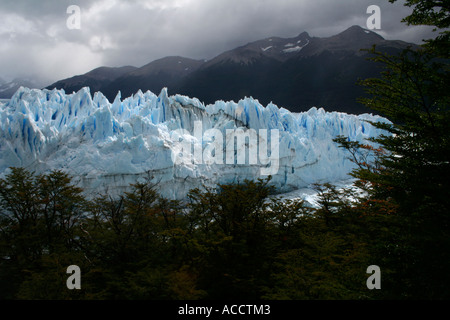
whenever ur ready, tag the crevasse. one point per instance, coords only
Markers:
(107, 145)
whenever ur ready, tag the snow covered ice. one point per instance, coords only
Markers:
(105, 145)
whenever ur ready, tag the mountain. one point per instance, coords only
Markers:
(275, 48)
(8, 88)
(154, 76)
(96, 79)
(297, 73)
(176, 140)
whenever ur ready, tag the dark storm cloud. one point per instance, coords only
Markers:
(34, 38)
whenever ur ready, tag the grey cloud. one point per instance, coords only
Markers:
(41, 8)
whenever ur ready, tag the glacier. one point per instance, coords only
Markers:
(106, 146)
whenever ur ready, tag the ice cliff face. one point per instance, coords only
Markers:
(107, 145)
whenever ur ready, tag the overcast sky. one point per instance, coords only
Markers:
(35, 39)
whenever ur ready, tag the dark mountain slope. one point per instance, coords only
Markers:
(165, 72)
(96, 79)
(296, 73)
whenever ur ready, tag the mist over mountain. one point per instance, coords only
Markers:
(8, 88)
(295, 73)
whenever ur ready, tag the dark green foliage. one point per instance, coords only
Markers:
(234, 242)
(435, 13)
(38, 220)
(234, 231)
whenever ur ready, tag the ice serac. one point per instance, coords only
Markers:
(107, 145)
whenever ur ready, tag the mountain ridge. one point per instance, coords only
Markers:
(297, 73)
(96, 79)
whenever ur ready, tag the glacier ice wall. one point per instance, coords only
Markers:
(107, 145)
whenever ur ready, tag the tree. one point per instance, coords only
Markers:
(435, 13)
(40, 217)
(231, 230)
(62, 207)
(409, 178)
